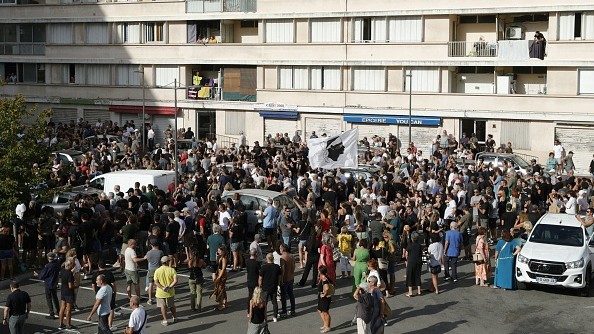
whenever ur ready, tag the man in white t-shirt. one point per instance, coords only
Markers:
(138, 316)
(102, 305)
(131, 268)
(559, 152)
(450, 211)
(224, 218)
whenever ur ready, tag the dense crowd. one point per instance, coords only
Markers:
(417, 208)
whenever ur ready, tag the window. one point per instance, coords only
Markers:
(325, 78)
(97, 75)
(293, 77)
(369, 29)
(478, 19)
(424, 79)
(166, 75)
(60, 33)
(586, 81)
(326, 31)
(369, 79)
(22, 39)
(579, 25)
(31, 73)
(153, 32)
(97, 33)
(128, 75)
(280, 31)
(128, 32)
(249, 24)
(405, 29)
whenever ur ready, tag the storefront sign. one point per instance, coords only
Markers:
(274, 106)
(398, 120)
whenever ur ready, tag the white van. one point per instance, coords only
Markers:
(126, 179)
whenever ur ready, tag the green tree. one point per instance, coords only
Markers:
(23, 156)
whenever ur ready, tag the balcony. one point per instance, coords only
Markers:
(472, 49)
(214, 6)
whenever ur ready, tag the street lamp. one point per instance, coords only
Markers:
(409, 76)
(175, 129)
(141, 71)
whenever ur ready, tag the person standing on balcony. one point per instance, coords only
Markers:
(538, 47)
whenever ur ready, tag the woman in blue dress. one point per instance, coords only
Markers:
(505, 257)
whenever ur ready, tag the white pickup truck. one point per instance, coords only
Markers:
(559, 252)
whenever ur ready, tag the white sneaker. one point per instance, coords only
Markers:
(116, 265)
(274, 319)
(146, 288)
(164, 323)
(172, 320)
(149, 302)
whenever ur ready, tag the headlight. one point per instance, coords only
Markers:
(575, 264)
(523, 259)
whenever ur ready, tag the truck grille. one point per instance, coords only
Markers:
(547, 267)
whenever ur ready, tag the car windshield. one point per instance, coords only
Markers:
(558, 235)
(520, 162)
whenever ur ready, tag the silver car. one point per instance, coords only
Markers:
(497, 159)
(254, 200)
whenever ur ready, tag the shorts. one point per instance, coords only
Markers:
(68, 299)
(559, 161)
(484, 222)
(269, 232)
(492, 223)
(112, 303)
(236, 246)
(131, 277)
(6, 254)
(302, 243)
(151, 274)
(165, 302)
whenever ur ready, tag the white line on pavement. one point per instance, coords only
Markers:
(72, 318)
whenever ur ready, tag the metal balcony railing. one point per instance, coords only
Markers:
(472, 49)
(211, 6)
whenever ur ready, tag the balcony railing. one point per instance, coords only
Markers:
(472, 49)
(210, 6)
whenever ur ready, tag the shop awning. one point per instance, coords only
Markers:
(149, 110)
(279, 115)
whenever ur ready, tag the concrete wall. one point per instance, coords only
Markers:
(562, 81)
(437, 28)
(472, 32)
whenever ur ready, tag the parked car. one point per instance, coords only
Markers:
(558, 252)
(497, 159)
(62, 201)
(254, 200)
(69, 156)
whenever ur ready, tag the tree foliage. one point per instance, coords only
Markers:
(22, 131)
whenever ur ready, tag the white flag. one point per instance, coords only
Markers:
(335, 151)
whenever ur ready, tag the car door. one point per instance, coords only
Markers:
(591, 248)
(252, 210)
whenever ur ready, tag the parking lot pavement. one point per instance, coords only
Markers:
(461, 307)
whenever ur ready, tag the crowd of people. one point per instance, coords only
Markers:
(416, 209)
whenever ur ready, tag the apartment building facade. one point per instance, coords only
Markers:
(280, 66)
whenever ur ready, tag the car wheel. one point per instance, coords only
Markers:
(585, 291)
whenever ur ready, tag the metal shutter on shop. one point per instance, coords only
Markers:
(369, 130)
(282, 126)
(421, 136)
(92, 115)
(64, 115)
(160, 123)
(328, 126)
(580, 140)
(516, 132)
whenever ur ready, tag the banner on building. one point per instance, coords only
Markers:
(335, 151)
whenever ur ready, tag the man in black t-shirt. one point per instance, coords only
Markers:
(269, 280)
(18, 306)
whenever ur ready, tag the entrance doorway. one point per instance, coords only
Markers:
(206, 127)
(470, 126)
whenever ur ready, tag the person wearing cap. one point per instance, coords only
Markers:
(165, 279)
(153, 258)
(50, 276)
(453, 246)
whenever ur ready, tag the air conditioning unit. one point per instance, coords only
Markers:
(513, 32)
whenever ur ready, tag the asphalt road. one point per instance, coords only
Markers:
(460, 308)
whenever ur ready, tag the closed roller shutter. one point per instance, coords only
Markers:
(580, 140)
(328, 126)
(516, 132)
(160, 124)
(127, 117)
(92, 115)
(370, 130)
(421, 136)
(282, 126)
(64, 115)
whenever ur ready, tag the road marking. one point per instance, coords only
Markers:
(72, 318)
